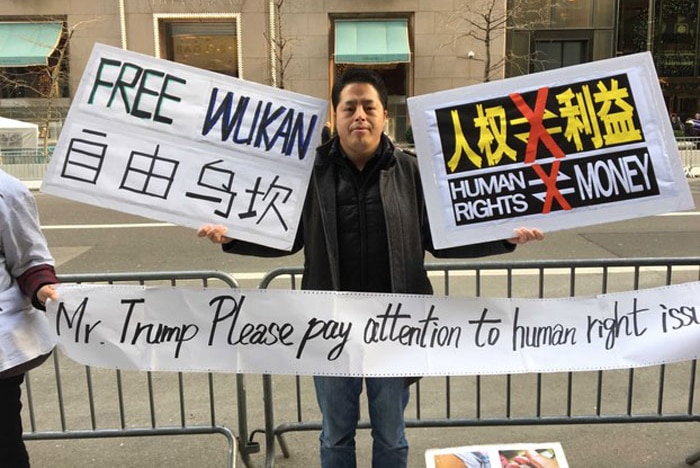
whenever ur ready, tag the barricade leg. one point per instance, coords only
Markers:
(246, 446)
(269, 421)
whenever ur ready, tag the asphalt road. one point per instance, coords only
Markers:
(88, 239)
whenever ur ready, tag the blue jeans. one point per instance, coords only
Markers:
(339, 400)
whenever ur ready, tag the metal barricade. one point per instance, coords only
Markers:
(645, 395)
(689, 150)
(65, 400)
(25, 163)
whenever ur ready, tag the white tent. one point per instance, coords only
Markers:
(15, 134)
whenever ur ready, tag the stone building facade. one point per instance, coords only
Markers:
(419, 46)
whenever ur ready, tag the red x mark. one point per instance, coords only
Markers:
(537, 130)
(550, 181)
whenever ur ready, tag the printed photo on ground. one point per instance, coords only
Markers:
(521, 455)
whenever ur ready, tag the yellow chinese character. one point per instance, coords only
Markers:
(461, 145)
(580, 117)
(493, 125)
(619, 126)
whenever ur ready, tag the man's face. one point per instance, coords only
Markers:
(360, 118)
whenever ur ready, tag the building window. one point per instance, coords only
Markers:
(546, 34)
(558, 54)
(633, 26)
(571, 13)
(207, 41)
(676, 38)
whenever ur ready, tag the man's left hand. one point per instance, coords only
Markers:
(524, 235)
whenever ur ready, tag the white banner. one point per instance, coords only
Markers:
(570, 147)
(175, 143)
(356, 334)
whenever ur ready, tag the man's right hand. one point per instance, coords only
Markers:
(215, 233)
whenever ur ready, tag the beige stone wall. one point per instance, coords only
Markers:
(441, 55)
(89, 28)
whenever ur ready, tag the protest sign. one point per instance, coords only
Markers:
(175, 143)
(575, 146)
(362, 334)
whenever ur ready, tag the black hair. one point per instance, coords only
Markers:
(359, 75)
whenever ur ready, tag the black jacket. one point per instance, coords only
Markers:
(407, 229)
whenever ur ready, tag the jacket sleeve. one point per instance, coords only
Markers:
(483, 249)
(242, 247)
(24, 246)
(33, 279)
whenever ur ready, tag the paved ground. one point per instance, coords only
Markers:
(614, 446)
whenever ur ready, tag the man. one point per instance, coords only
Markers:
(364, 228)
(677, 124)
(693, 126)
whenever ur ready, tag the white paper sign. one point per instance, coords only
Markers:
(570, 147)
(175, 143)
(360, 334)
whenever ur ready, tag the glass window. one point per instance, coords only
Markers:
(570, 32)
(525, 14)
(633, 26)
(558, 54)
(554, 13)
(675, 37)
(206, 44)
(519, 55)
(572, 13)
(603, 42)
(604, 14)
